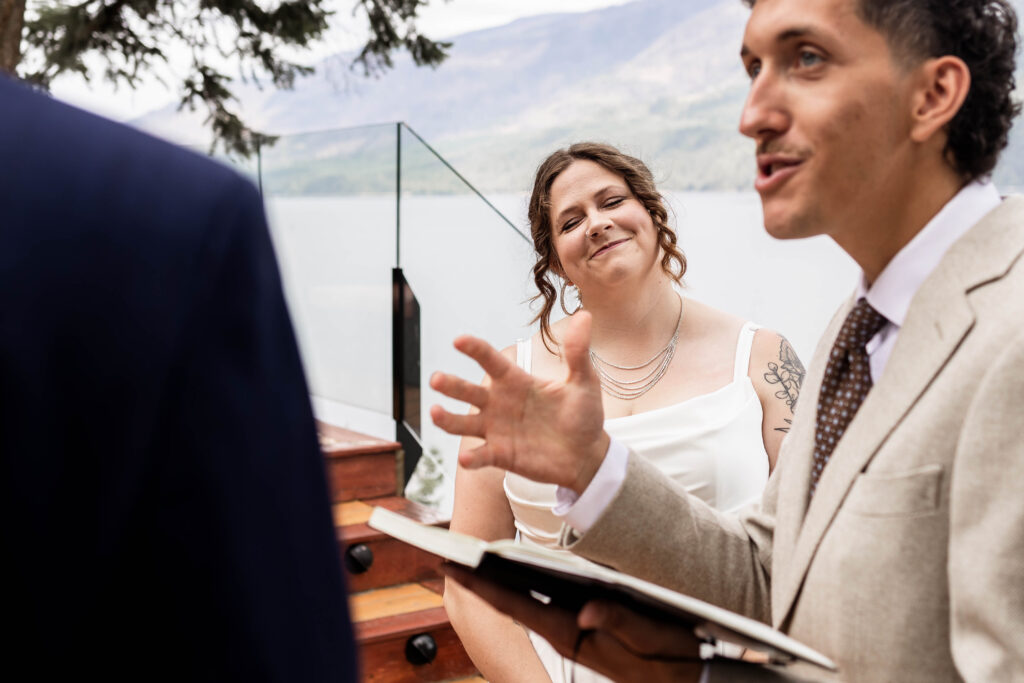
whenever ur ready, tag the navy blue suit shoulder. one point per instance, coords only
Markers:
(156, 438)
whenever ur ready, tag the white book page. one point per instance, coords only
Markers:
(459, 548)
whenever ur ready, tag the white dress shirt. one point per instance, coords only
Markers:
(895, 287)
(890, 295)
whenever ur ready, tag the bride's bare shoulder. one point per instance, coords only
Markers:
(710, 321)
(725, 326)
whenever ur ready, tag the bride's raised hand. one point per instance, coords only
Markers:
(544, 430)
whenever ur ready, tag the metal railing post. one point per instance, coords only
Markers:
(405, 341)
(398, 194)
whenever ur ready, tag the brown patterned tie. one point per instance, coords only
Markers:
(846, 382)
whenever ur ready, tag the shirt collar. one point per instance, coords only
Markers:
(895, 287)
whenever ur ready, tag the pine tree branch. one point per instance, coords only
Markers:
(132, 36)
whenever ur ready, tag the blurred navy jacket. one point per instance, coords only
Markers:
(165, 511)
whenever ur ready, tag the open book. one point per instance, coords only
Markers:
(570, 582)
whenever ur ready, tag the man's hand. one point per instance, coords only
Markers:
(546, 431)
(616, 642)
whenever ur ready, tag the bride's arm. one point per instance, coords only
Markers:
(777, 375)
(499, 647)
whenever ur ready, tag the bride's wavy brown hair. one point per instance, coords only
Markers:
(641, 183)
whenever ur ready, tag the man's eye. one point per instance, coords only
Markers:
(809, 59)
(754, 69)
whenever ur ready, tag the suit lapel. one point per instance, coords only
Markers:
(940, 317)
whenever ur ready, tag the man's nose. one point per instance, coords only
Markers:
(765, 113)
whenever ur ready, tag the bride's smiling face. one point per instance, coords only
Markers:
(600, 231)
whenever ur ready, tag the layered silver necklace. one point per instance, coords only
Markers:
(654, 369)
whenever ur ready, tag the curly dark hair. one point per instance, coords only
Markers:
(983, 33)
(640, 181)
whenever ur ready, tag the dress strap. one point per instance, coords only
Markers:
(524, 354)
(743, 347)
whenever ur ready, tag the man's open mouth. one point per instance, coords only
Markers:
(770, 165)
(774, 170)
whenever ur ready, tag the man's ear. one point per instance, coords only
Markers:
(943, 87)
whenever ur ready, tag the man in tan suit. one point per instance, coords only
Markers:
(891, 535)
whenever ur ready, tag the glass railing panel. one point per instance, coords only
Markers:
(331, 204)
(469, 268)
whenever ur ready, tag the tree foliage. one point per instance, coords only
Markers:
(132, 38)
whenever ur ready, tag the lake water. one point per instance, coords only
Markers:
(470, 272)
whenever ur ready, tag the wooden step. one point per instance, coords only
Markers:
(387, 620)
(377, 604)
(395, 588)
(360, 466)
(392, 561)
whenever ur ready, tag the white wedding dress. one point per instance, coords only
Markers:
(710, 444)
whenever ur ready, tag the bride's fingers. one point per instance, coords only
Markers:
(486, 356)
(459, 389)
(460, 425)
(640, 634)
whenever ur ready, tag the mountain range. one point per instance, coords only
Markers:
(659, 78)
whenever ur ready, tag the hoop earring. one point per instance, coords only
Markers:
(561, 299)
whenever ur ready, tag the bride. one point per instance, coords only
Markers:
(703, 394)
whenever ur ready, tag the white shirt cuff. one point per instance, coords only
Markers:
(581, 512)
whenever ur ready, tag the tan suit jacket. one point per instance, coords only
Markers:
(908, 563)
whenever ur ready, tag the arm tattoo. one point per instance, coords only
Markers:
(788, 373)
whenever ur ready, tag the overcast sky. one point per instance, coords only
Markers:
(440, 19)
